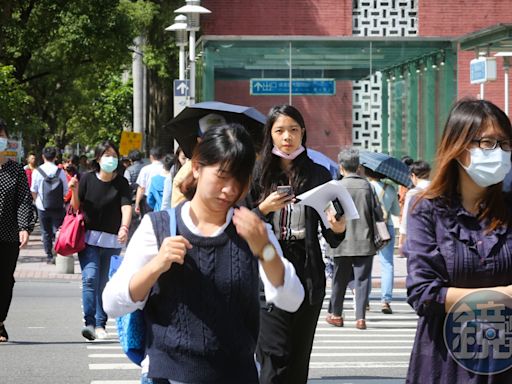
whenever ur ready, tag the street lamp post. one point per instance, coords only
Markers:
(193, 10)
(180, 27)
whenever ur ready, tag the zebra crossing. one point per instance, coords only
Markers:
(338, 353)
(384, 346)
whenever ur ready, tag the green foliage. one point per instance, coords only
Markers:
(61, 64)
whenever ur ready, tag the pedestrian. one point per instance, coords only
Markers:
(156, 186)
(132, 172)
(420, 174)
(200, 288)
(71, 168)
(104, 197)
(30, 167)
(179, 161)
(49, 186)
(459, 240)
(286, 339)
(353, 258)
(402, 190)
(83, 165)
(144, 178)
(16, 223)
(388, 199)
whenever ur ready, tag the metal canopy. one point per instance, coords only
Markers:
(342, 58)
(497, 38)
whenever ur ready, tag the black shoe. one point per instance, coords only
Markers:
(50, 260)
(386, 309)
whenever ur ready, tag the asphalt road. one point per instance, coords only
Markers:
(46, 345)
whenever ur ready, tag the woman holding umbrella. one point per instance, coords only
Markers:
(286, 339)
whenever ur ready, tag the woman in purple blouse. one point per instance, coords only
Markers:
(459, 249)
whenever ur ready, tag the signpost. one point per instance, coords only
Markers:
(181, 93)
(129, 142)
(267, 87)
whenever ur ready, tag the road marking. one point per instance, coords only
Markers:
(115, 382)
(359, 364)
(363, 354)
(365, 347)
(105, 355)
(362, 341)
(118, 366)
(36, 327)
(104, 347)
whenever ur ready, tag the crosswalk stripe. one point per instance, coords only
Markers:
(364, 354)
(115, 382)
(358, 364)
(103, 347)
(118, 366)
(365, 347)
(107, 355)
(408, 340)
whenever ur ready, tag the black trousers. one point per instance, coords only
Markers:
(8, 259)
(285, 342)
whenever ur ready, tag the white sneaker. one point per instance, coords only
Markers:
(88, 332)
(101, 334)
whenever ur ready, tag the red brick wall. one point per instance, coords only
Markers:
(328, 118)
(277, 17)
(459, 17)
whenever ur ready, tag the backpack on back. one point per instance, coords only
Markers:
(52, 194)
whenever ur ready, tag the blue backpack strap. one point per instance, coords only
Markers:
(172, 221)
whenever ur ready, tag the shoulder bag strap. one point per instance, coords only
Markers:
(172, 221)
(41, 172)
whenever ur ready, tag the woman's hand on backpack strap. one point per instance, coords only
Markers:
(173, 250)
(73, 183)
(250, 227)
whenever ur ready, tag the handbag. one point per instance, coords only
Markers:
(381, 236)
(131, 328)
(70, 238)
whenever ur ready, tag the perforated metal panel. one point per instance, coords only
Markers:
(376, 18)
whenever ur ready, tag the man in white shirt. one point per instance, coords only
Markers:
(420, 173)
(144, 179)
(51, 213)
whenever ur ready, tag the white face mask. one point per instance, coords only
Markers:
(3, 144)
(488, 167)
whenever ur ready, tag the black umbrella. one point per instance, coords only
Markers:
(389, 166)
(185, 126)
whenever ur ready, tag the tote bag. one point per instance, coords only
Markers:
(71, 236)
(381, 236)
(131, 327)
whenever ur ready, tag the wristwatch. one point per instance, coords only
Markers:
(268, 253)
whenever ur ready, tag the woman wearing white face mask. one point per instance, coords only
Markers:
(459, 249)
(105, 199)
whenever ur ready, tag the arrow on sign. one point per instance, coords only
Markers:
(182, 88)
(258, 86)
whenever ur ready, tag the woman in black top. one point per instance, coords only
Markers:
(16, 223)
(104, 197)
(286, 339)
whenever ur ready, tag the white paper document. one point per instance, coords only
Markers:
(320, 196)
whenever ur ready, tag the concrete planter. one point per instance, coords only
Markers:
(65, 264)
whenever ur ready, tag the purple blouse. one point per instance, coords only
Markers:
(447, 246)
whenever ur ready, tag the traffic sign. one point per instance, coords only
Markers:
(264, 87)
(181, 93)
(129, 142)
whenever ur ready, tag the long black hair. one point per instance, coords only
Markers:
(269, 172)
(228, 145)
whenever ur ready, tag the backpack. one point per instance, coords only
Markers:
(52, 194)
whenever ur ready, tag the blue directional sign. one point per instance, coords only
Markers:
(299, 87)
(181, 87)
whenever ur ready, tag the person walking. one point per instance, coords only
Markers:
(144, 179)
(200, 288)
(459, 241)
(286, 339)
(30, 167)
(179, 161)
(157, 184)
(388, 200)
(420, 173)
(49, 186)
(354, 256)
(16, 223)
(104, 197)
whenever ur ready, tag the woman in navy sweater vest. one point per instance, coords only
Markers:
(200, 289)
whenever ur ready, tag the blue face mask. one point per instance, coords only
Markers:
(3, 143)
(108, 163)
(488, 166)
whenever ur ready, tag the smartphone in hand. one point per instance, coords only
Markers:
(335, 208)
(285, 190)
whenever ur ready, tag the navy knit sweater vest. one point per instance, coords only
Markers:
(203, 316)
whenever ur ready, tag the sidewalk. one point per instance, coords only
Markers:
(32, 265)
